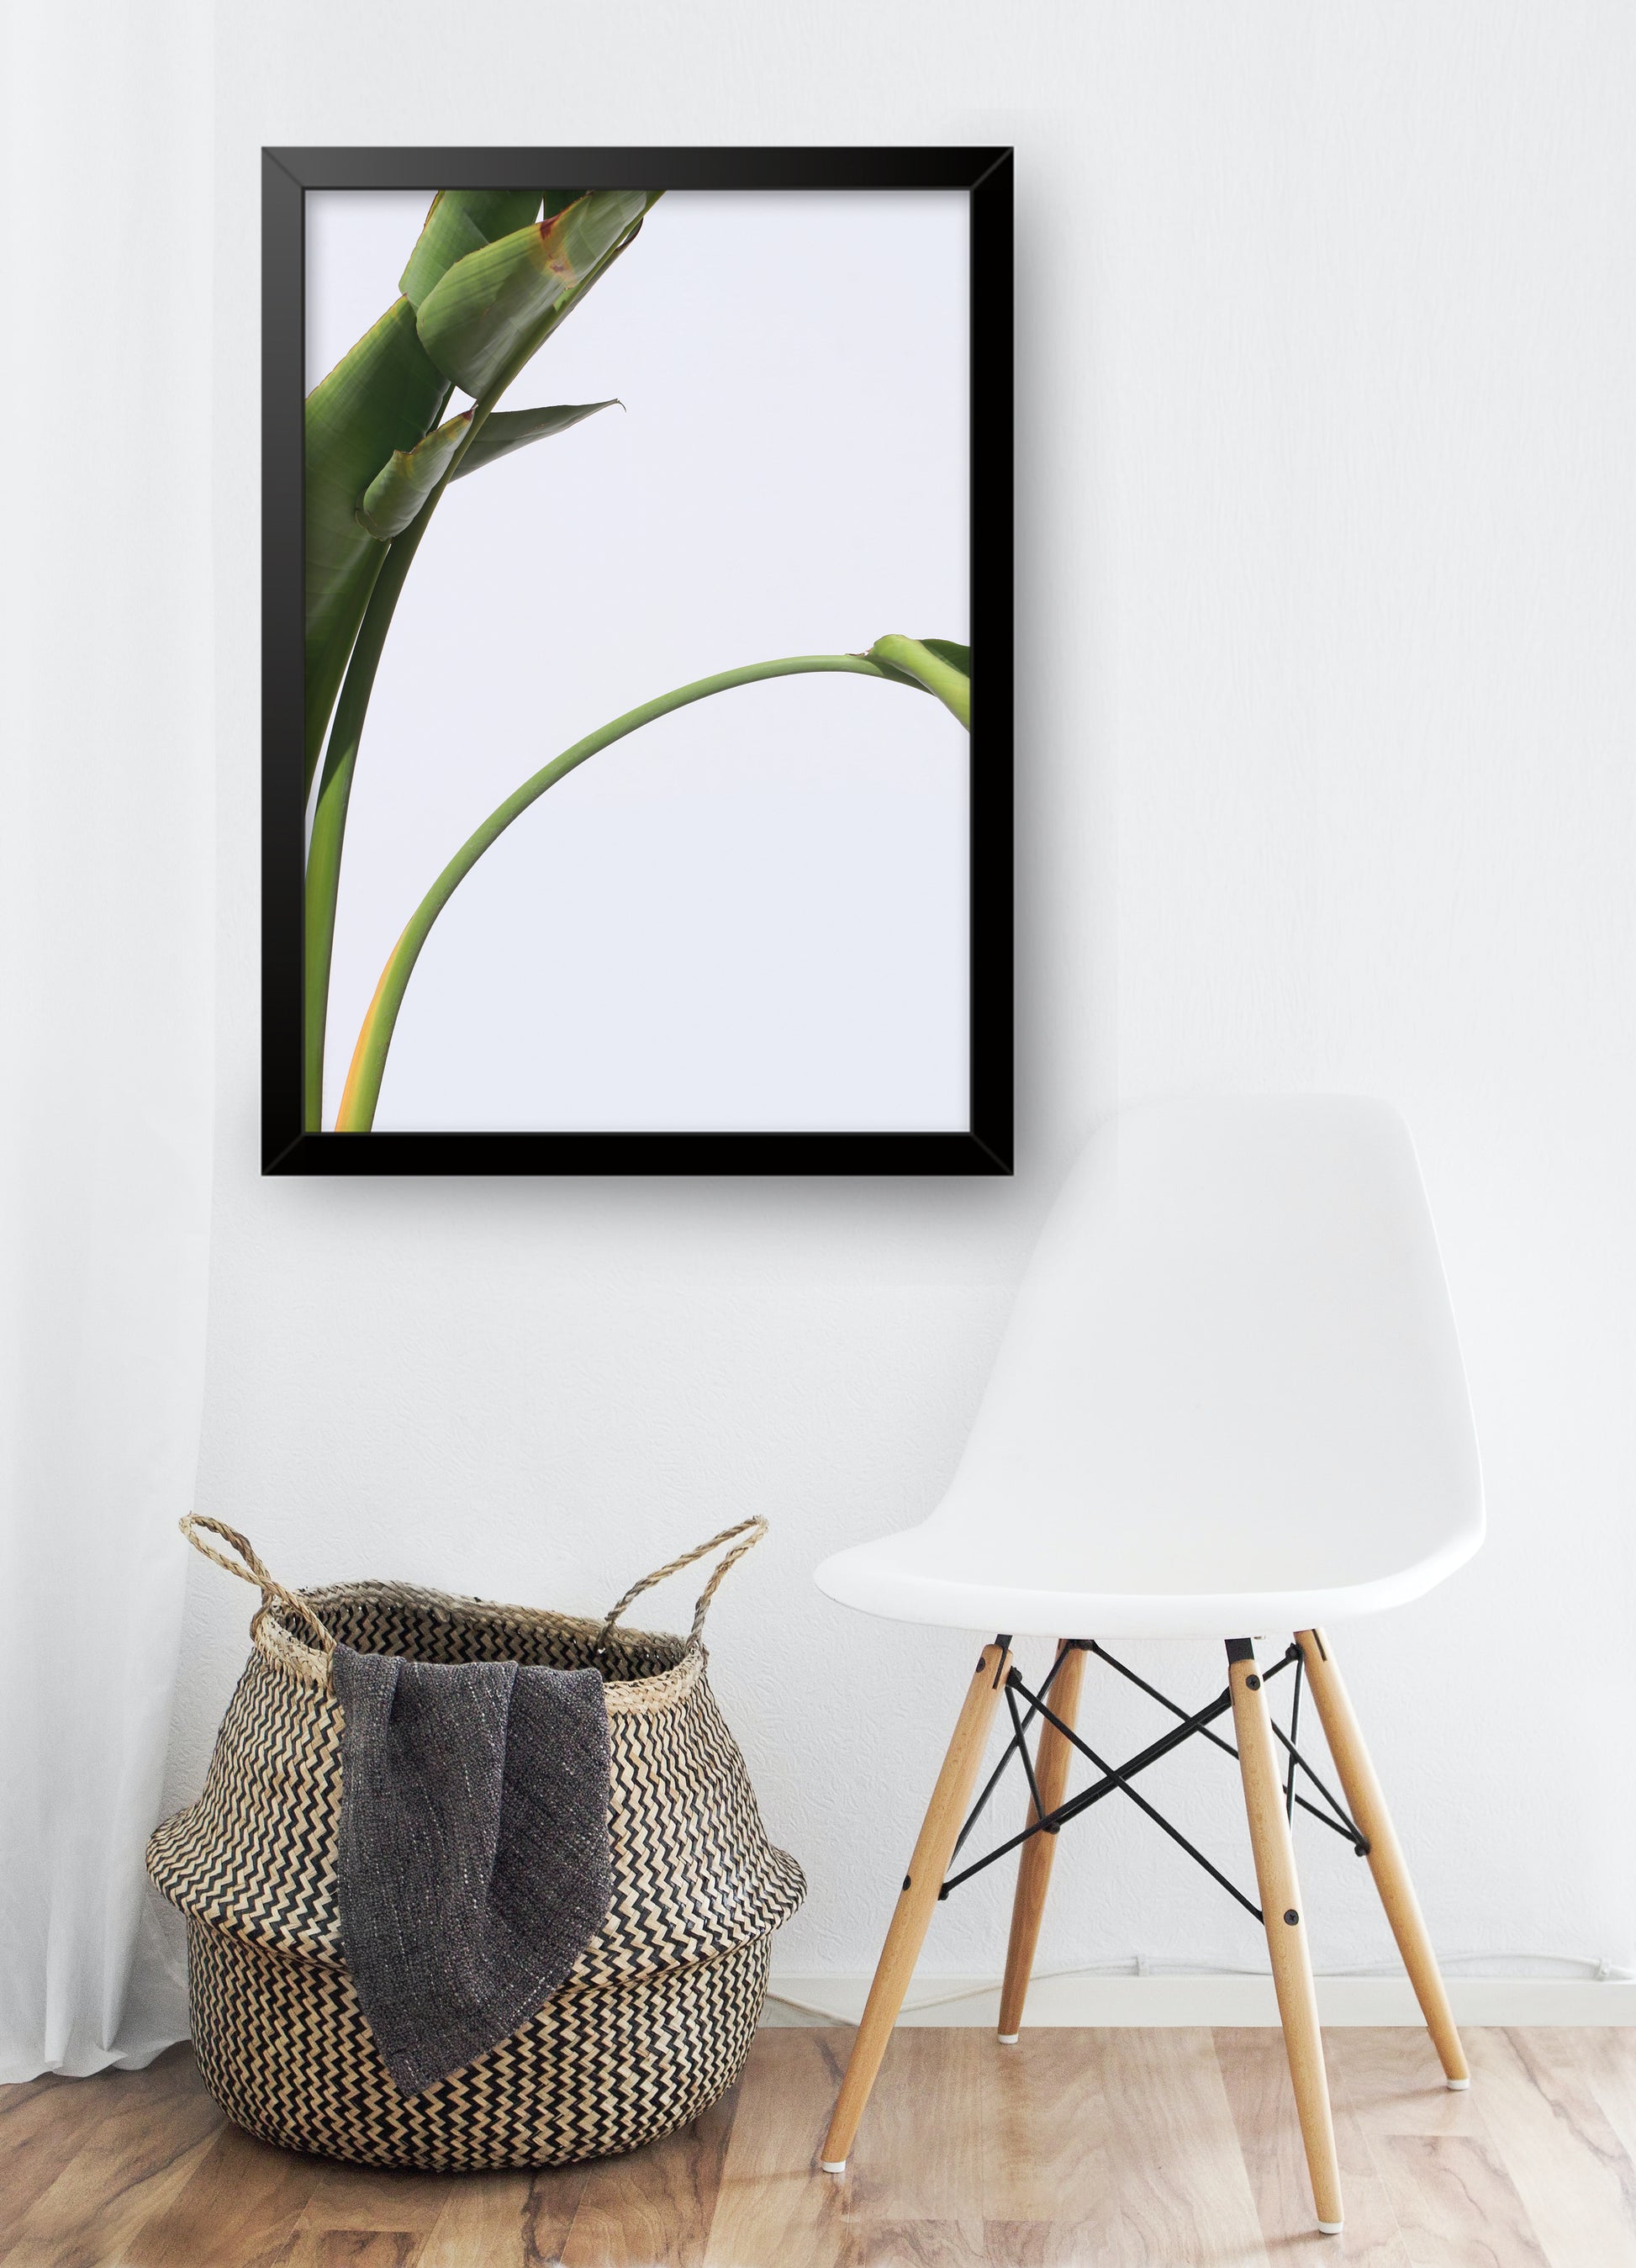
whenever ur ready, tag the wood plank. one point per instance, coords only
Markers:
(79, 2223)
(1566, 2162)
(1454, 2203)
(1395, 2082)
(657, 2204)
(1607, 2059)
(1116, 2149)
(374, 2197)
(156, 2125)
(484, 2220)
(1017, 2243)
(1183, 2194)
(242, 2205)
(1044, 2142)
(912, 2244)
(507, 2220)
(42, 2123)
(1256, 2074)
(775, 2209)
(548, 2211)
(352, 2248)
(919, 2155)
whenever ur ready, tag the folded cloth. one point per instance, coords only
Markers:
(474, 1849)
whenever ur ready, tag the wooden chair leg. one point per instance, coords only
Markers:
(915, 1902)
(1286, 1929)
(1367, 1806)
(1034, 1872)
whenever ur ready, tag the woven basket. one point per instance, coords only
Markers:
(656, 2017)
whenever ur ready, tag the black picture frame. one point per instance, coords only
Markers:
(986, 1145)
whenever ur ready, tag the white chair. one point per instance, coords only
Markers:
(1230, 1401)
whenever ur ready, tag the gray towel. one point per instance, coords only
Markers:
(473, 1851)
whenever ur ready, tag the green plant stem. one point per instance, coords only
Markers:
(953, 687)
(329, 814)
(359, 1102)
(329, 817)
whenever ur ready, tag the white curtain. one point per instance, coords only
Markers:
(105, 934)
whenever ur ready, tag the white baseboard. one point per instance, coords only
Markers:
(1106, 2000)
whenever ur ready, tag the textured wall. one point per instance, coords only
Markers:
(1326, 361)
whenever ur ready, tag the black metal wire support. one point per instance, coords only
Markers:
(1336, 1818)
(1010, 1749)
(1189, 1724)
(1295, 1725)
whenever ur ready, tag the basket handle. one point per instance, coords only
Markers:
(751, 1531)
(272, 1591)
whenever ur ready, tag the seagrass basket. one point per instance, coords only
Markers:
(657, 2013)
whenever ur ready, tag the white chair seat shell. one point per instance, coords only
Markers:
(1231, 1398)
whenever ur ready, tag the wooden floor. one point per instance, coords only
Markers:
(1158, 2149)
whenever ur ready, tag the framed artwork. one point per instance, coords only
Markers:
(637, 662)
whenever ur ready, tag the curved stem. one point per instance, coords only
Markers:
(356, 1115)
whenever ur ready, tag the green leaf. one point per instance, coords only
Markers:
(505, 430)
(462, 221)
(380, 397)
(408, 478)
(937, 665)
(484, 312)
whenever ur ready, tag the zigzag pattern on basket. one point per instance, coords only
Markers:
(284, 2047)
(658, 2013)
(256, 1854)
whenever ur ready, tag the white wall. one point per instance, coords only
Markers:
(1326, 363)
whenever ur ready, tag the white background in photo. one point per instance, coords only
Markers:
(753, 914)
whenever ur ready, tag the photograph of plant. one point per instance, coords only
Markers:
(696, 910)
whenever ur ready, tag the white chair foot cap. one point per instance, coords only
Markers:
(1007, 2039)
(1330, 2227)
(832, 2165)
(1456, 2086)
